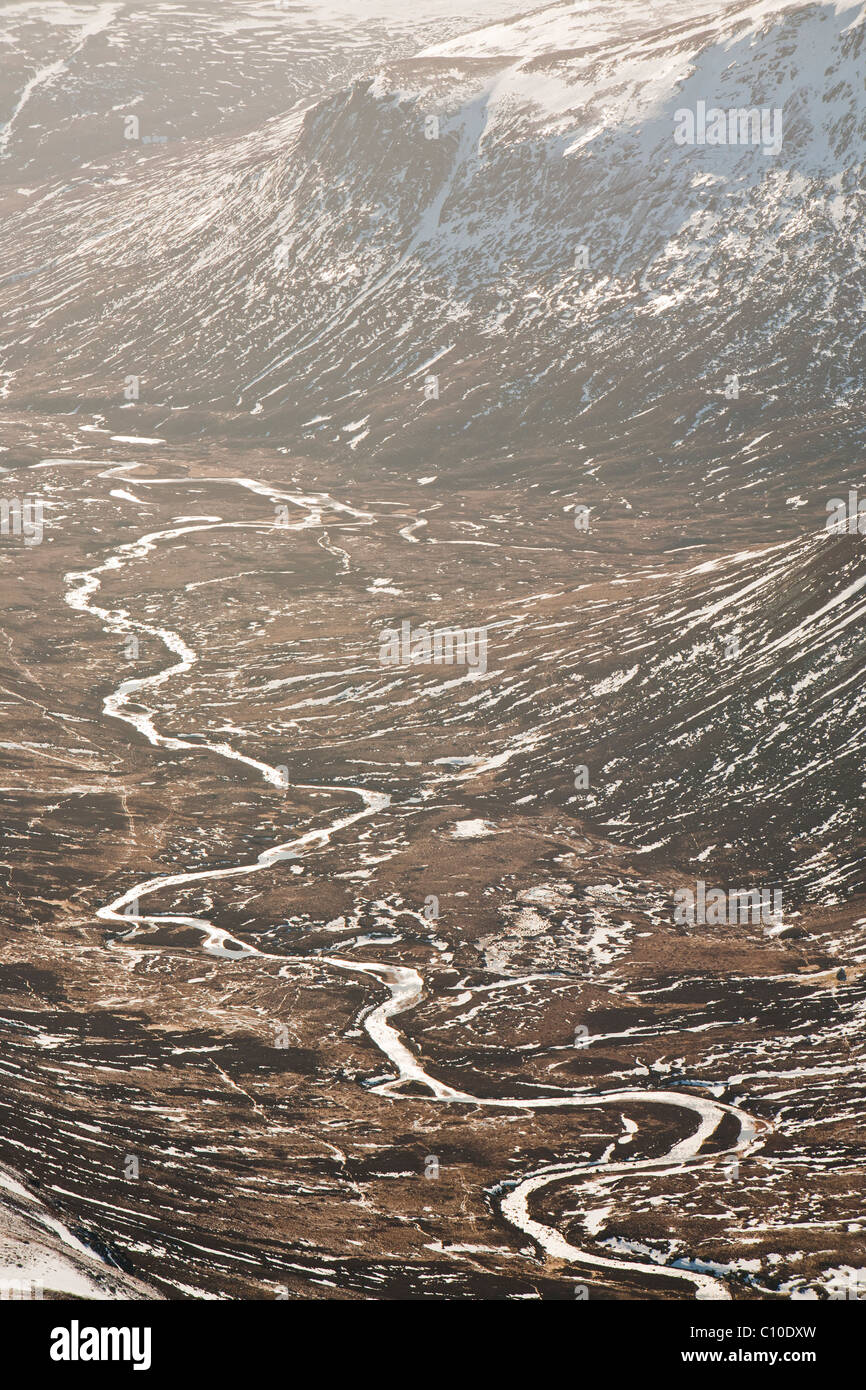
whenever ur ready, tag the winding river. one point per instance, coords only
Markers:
(404, 985)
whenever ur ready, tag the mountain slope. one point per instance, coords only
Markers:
(566, 269)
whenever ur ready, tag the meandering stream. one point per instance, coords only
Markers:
(404, 985)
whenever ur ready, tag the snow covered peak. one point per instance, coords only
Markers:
(592, 66)
(570, 27)
(578, 25)
(516, 208)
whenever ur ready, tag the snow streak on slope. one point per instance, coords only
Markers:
(95, 24)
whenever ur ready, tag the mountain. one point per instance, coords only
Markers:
(573, 277)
